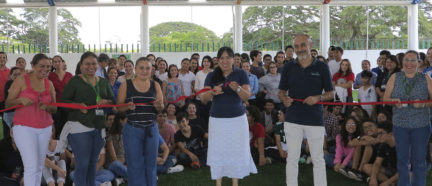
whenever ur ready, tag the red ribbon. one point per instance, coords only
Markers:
(369, 103)
(78, 106)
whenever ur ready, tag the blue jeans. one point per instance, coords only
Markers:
(8, 118)
(102, 176)
(168, 163)
(141, 149)
(185, 160)
(86, 147)
(329, 160)
(118, 168)
(411, 147)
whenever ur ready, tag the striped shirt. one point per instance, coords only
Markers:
(143, 115)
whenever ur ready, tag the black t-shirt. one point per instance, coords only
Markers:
(382, 79)
(388, 154)
(199, 122)
(9, 158)
(6, 93)
(195, 142)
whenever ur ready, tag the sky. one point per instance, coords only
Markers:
(122, 24)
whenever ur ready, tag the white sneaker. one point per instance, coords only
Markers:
(108, 183)
(308, 160)
(268, 160)
(119, 181)
(177, 168)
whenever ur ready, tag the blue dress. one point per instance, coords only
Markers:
(173, 90)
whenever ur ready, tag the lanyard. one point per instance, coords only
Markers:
(386, 78)
(408, 86)
(95, 88)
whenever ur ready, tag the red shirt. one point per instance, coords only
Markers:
(256, 131)
(4, 77)
(59, 84)
(339, 77)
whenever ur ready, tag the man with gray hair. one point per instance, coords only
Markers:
(305, 78)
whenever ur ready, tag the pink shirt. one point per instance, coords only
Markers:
(4, 77)
(342, 151)
(32, 116)
(167, 134)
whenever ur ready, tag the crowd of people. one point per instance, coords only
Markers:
(249, 117)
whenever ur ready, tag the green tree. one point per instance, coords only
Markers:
(172, 34)
(228, 37)
(425, 20)
(181, 32)
(8, 24)
(267, 24)
(34, 28)
(349, 23)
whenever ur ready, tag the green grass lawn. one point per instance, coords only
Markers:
(355, 95)
(271, 175)
(1, 131)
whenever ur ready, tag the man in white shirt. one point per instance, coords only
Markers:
(334, 64)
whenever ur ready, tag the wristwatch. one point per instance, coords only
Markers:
(238, 88)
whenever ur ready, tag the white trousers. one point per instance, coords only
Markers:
(32, 144)
(47, 173)
(315, 138)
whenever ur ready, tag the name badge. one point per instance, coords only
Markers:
(99, 112)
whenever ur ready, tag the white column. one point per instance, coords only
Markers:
(52, 27)
(413, 40)
(238, 29)
(145, 31)
(324, 29)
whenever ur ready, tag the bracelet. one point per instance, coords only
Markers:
(238, 88)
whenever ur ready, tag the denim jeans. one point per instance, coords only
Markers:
(329, 160)
(168, 163)
(5, 180)
(141, 149)
(185, 160)
(102, 176)
(86, 147)
(411, 147)
(118, 169)
(8, 118)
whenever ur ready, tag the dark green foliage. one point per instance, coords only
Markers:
(32, 26)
